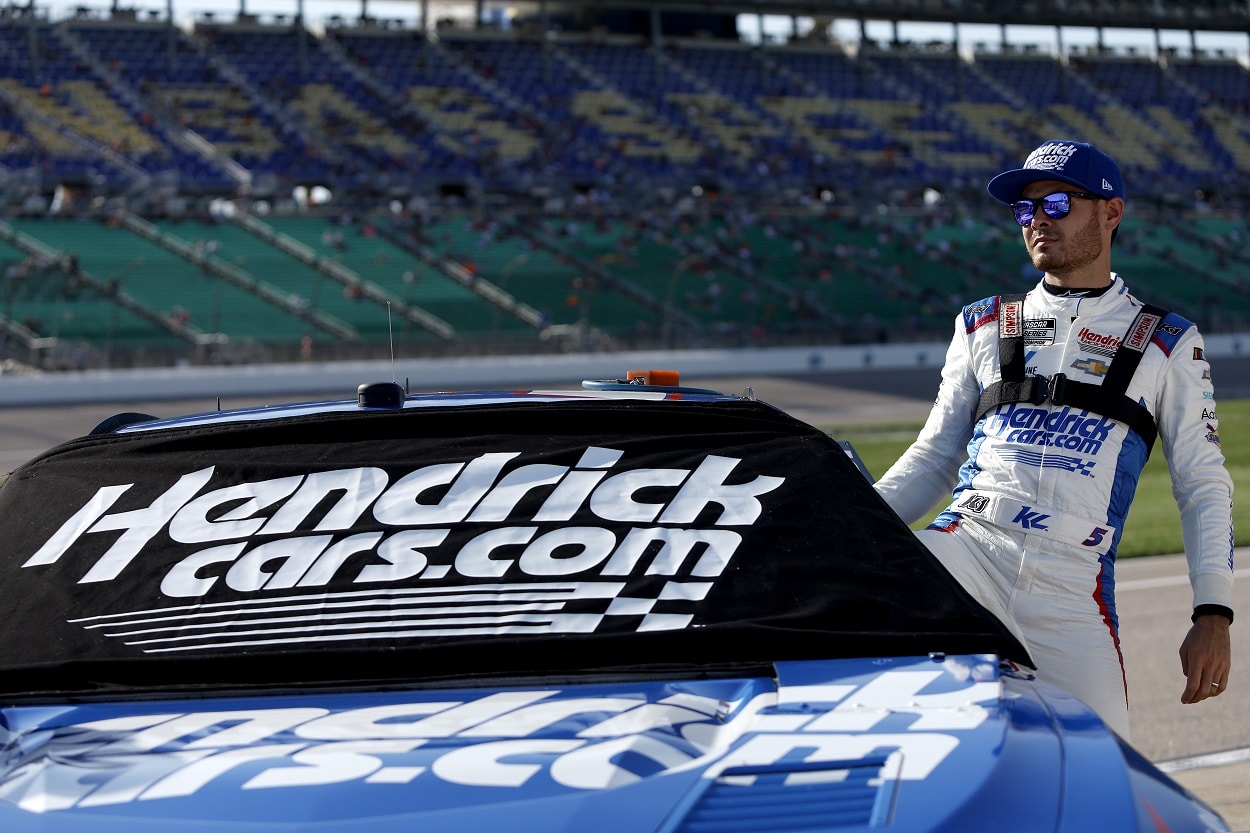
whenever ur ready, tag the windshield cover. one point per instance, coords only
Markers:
(487, 539)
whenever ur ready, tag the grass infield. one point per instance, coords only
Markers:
(1153, 522)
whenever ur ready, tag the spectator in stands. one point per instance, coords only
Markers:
(1048, 407)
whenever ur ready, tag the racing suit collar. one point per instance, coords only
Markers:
(1088, 304)
(1083, 292)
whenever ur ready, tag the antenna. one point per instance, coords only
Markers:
(390, 331)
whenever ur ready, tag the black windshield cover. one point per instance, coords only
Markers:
(432, 542)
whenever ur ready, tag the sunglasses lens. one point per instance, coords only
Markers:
(1056, 205)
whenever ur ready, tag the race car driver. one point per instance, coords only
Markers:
(1049, 405)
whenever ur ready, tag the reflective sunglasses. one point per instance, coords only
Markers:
(1055, 206)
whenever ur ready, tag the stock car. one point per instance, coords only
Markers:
(636, 606)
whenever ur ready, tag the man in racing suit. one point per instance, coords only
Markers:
(1043, 443)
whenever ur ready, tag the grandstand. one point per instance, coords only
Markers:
(590, 176)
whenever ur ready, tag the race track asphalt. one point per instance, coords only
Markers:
(1205, 746)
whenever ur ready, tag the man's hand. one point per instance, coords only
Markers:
(1206, 657)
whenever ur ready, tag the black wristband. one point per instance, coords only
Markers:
(1212, 610)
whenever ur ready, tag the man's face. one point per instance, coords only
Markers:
(1070, 243)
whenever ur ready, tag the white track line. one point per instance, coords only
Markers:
(1161, 581)
(1231, 756)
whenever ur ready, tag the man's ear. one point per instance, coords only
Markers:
(1115, 213)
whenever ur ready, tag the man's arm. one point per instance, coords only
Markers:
(927, 470)
(1203, 491)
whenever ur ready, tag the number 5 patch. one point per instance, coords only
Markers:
(1095, 537)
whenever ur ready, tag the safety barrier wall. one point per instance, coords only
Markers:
(284, 381)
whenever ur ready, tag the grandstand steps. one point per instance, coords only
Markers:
(119, 87)
(598, 272)
(189, 139)
(517, 144)
(686, 264)
(491, 89)
(583, 287)
(1012, 123)
(976, 72)
(60, 123)
(19, 333)
(372, 248)
(470, 126)
(1110, 115)
(1233, 135)
(1231, 132)
(735, 127)
(927, 118)
(332, 50)
(500, 300)
(646, 130)
(284, 302)
(775, 289)
(1184, 275)
(829, 119)
(879, 78)
(999, 125)
(145, 69)
(1225, 237)
(1182, 146)
(351, 281)
(223, 63)
(111, 295)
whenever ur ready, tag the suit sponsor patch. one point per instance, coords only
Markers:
(974, 503)
(1098, 343)
(1009, 319)
(1039, 331)
(1094, 367)
(1141, 331)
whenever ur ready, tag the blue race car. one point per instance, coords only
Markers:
(634, 607)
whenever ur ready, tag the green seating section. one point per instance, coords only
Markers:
(896, 278)
(676, 266)
(296, 281)
(360, 248)
(1188, 277)
(51, 304)
(561, 290)
(165, 281)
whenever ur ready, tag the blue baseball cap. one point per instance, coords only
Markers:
(1077, 163)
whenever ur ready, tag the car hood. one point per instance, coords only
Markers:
(848, 743)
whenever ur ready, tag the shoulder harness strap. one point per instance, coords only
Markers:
(1107, 399)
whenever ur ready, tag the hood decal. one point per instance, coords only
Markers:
(862, 720)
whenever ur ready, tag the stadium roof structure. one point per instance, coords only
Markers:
(1231, 16)
(1179, 15)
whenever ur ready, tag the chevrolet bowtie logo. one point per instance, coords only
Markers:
(1094, 367)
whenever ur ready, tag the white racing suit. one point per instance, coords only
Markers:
(1041, 491)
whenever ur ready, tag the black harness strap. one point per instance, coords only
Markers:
(1011, 336)
(1107, 399)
